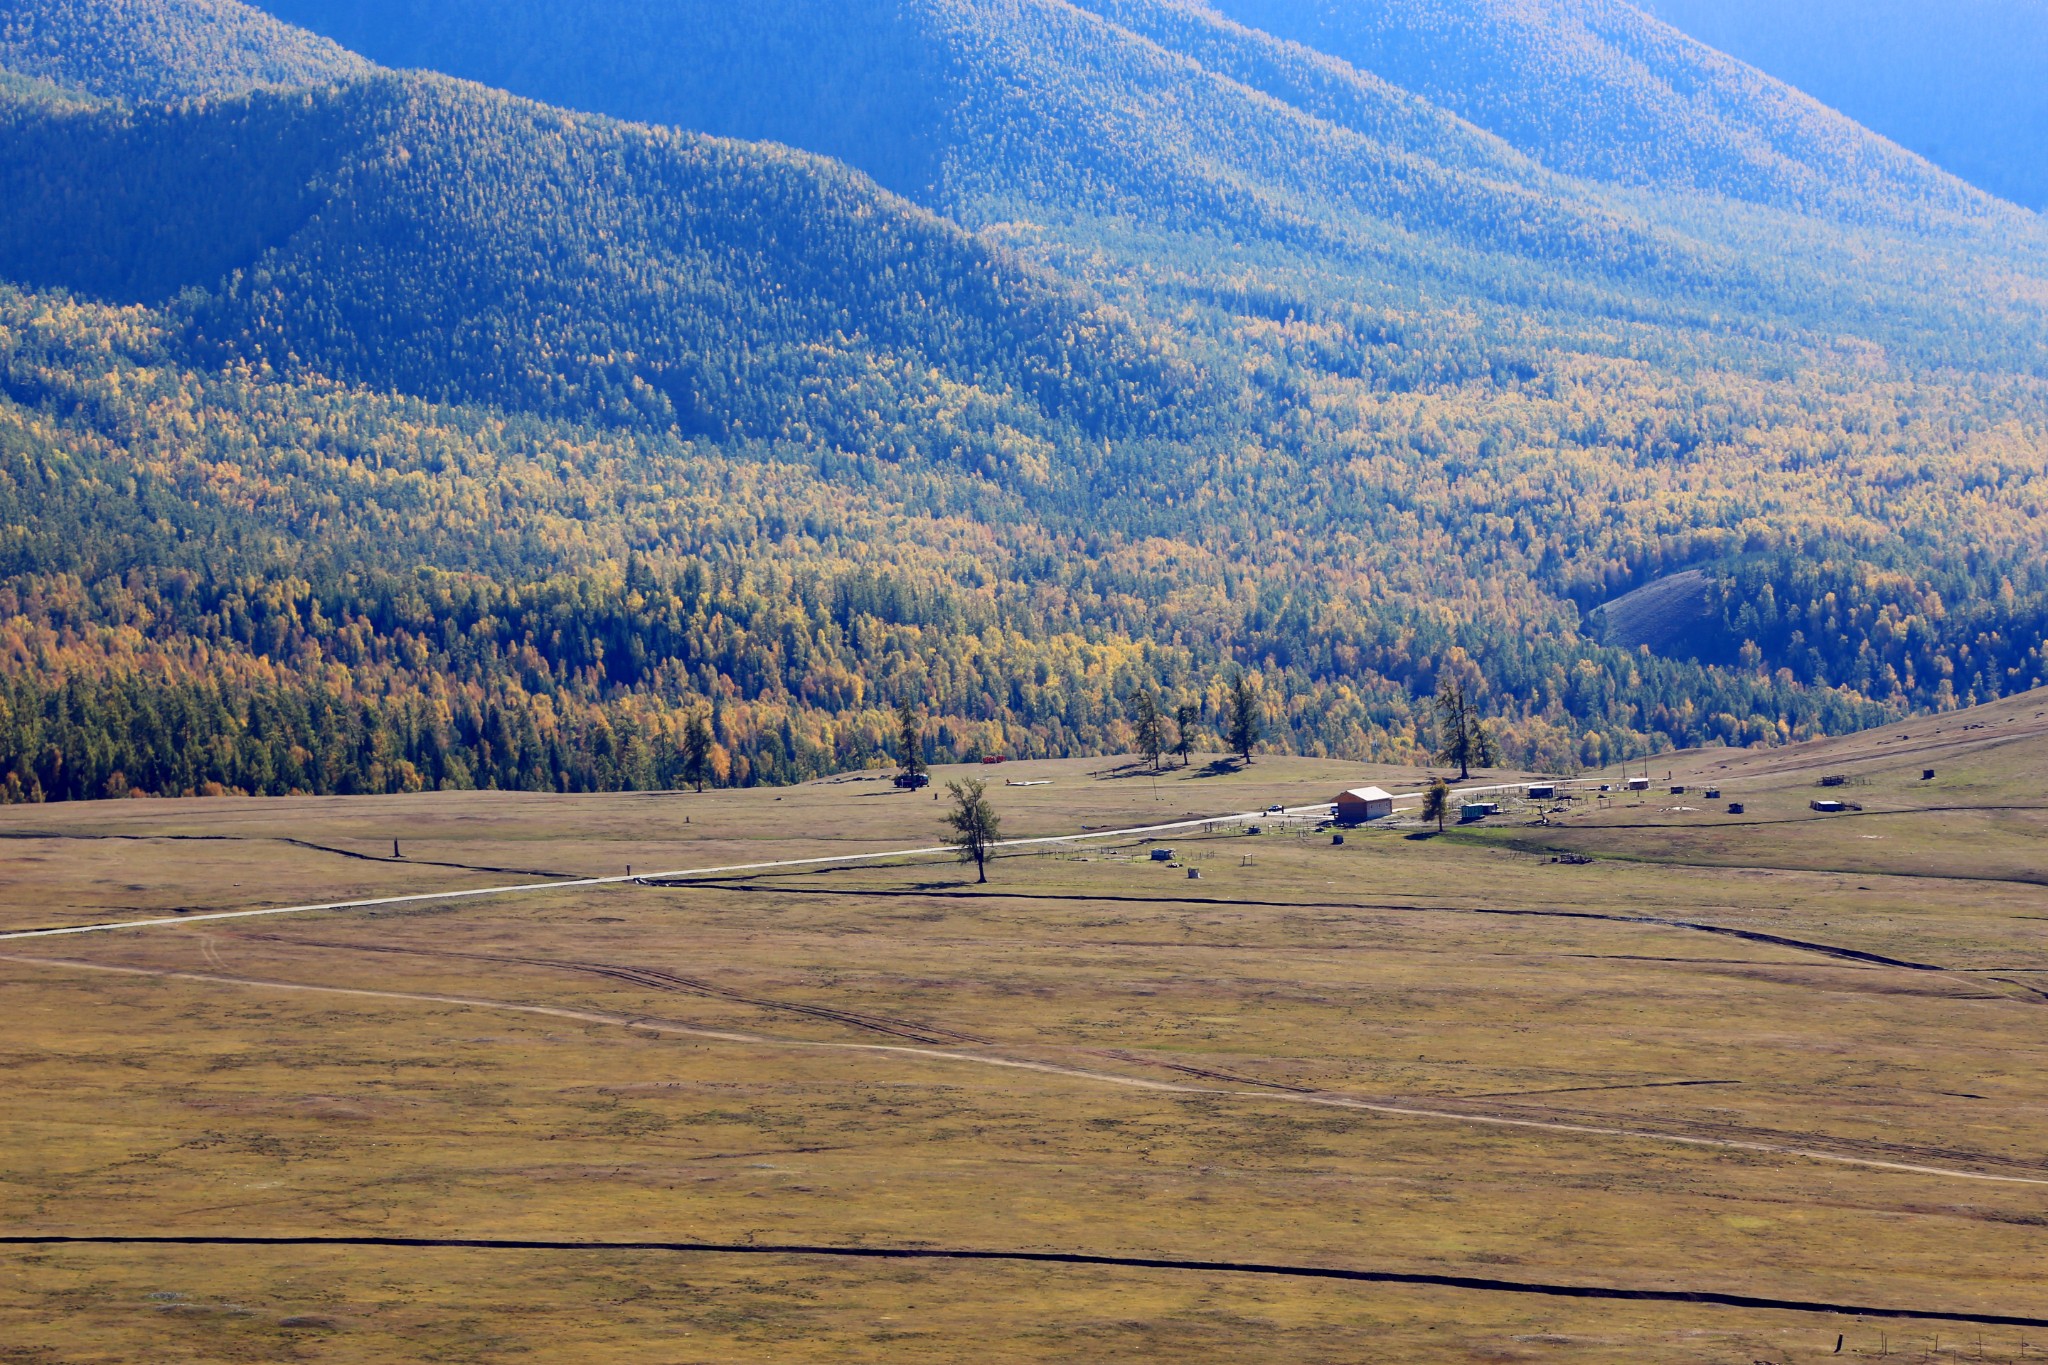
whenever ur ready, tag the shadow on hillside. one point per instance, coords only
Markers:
(1126, 774)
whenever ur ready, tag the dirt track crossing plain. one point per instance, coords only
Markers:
(1730, 1089)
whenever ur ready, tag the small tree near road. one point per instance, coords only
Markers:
(1436, 803)
(910, 740)
(1186, 717)
(1245, 728)
(976, 826)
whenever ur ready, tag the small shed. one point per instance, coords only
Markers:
(1639, 784)
(1479, 810)
(1363, 805)
(1830, 807)
(1543, 791)
(1162, 855)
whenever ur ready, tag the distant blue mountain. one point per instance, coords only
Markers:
(1962, 82)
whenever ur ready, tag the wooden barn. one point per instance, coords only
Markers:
(1365, 804)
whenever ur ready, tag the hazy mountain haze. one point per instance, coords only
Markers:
(1962, 82)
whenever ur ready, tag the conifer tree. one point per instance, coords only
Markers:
(1245, 727)
(910, 741)
(1151, 728)
(697, 743)
(1185, 717)
(1462, 735)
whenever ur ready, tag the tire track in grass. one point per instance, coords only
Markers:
(983, 1059)
(651, 978)
(1476, 1283)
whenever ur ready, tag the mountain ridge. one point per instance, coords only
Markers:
(632, 274)
(1669, 110)
(122, 49)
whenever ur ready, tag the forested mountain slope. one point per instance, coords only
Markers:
(991, 109)
(218, 580)
(419, 234)
(1598, 88)
(397, 432)
(1958, 81)
(1115, 137)
(935, 96)
(164, 49)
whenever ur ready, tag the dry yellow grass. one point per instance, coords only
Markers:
(1188, 1049)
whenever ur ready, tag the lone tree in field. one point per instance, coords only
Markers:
(1186, 717)
(1243, 725)
(1151, 728)
(975, 824)
(910, 740)
(1436, 803)
(1462, 736)
(697, 744)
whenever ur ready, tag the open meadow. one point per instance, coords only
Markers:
(1576, 1052)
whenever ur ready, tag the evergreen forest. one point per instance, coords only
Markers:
(493, 407)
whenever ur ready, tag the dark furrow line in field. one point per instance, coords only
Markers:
(2034, 991)
(1199, 1072)
(274, 839)
(1484, 1284)
(1748, 935)
(1904, 874)
(424, 862)
(1586, 1089)
(668, 982)
(1816, 819)
(28, 834)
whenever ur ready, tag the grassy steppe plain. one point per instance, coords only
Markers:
(851, 1098)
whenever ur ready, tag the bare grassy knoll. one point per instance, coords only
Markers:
(1817, 1077)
